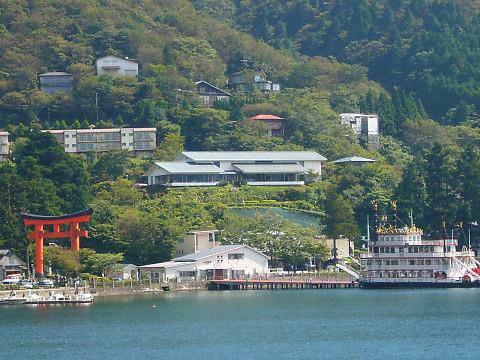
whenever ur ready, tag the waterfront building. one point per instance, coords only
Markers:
(56, 81)
(365, 127)
(221, 262)
(209, 93)
(196, 241)
(274, 124)
(141, 141)
(353, 160)
(11, 265)
(115, 66)
(123, 272)
(208, 168)
(4, 146)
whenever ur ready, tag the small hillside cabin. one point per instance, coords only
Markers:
(248, 80)
(273, 124)
(209, 93)
(115, 66)
(56, 81)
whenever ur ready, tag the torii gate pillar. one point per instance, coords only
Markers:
(39, 233)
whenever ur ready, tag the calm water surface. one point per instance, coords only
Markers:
(292, 324)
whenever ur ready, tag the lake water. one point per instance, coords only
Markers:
(282, 324)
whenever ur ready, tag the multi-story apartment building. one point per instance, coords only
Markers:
(4, 146)
(142, 141)
(365, 126)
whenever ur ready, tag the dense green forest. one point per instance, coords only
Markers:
(412, 62)
(429, 47)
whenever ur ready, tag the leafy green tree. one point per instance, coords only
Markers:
(62, 261)
(100, 264)
(339, 220)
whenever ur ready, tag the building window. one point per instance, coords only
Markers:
(211, 237)
(67, 136)
(236, 256)
(124, 134)
(187, 273)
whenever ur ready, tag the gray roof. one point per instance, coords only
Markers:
(4, 252)
(253, 156)
(270, 168)
(353, 159)
(213, 86)
(166, 264)
(55, 73)
(185, 168)
(209, 252)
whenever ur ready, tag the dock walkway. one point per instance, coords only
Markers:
(278, 283)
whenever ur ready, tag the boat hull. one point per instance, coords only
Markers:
(417, 285)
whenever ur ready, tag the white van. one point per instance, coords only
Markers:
(276, 271)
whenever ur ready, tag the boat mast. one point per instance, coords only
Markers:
(469, 244)
(368, 234)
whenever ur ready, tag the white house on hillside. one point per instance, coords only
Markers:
(221, 262)
(115, 66)
(365, 126)
(208, 168)
(4, 145)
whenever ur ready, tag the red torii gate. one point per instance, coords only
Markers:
(39, 233)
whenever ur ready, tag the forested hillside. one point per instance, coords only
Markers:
(430, 47)
(408, 61)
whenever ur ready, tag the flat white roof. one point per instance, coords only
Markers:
(93, 130)
(165, 265)
(199, 156)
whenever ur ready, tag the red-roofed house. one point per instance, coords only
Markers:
(273, 123)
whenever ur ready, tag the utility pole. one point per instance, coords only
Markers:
(96, 104)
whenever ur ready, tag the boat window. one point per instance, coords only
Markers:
(428, 262)
(387, 262)
(379, 262)
(419, 262)
(412, 262)
(375, 250)
(382, 250)
(394, 262)
(392, 250)
(415, 249)
(410, 249)
(400, 250)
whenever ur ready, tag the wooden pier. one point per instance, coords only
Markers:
(273, 284)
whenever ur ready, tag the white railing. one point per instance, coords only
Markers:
(349, 270)
(415, 255)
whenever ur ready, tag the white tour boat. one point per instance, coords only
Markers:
(401, 257)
